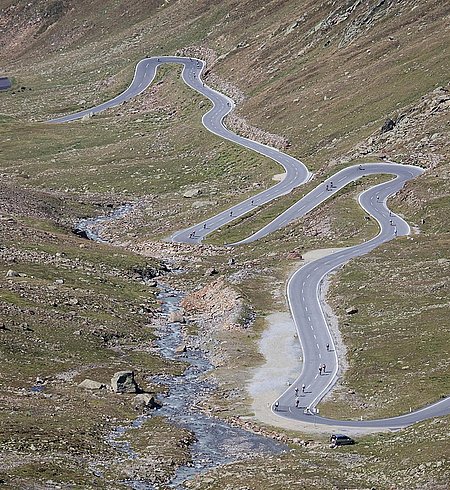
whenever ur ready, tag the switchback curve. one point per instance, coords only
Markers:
(303, 287)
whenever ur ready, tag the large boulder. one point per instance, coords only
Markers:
(90, 384)
(123, 382)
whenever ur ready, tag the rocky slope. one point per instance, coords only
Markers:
(333, 82)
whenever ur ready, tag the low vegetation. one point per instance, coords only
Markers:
(323, 78)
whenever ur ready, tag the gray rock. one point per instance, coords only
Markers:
(352, 310)
(12, 273)
(211, 271)
(123, 382)
(86, 117)
(388, 125)
(145, 401)
(181, 349)
(192, 193)
(90, 384)
(176, 317)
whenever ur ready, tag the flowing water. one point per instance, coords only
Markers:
(217, 443)
(91, 228)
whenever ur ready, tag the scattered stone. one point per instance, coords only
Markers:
(123, 382)
(352, 310)
(90, 384)
(59, 281)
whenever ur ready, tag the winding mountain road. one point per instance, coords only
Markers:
(303, 289)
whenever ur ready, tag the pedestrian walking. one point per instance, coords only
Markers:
(276, 405)
(320, 370)
(303, 388)
(328, 347)
(297, 401)
(378, 198)
(324, 369)
(391, 222)
(231, 213)
(296, 390)
(204, 226)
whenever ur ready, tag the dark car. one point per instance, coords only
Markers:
(340, 440)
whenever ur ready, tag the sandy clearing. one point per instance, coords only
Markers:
(281, 350)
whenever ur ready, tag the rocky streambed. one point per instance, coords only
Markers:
(215, 441)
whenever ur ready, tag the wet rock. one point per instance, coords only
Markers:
(145, 401)
(181, 349)
(90, 384)
(81, 233)
(123, 382)
(352, 310)
(176, 317)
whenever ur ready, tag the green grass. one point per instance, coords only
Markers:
(113, 159)
(398, 340)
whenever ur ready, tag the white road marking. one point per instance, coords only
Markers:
(293, 179)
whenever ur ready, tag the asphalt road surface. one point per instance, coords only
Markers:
(303, 290)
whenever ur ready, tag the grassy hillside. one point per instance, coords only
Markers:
(322, 76)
